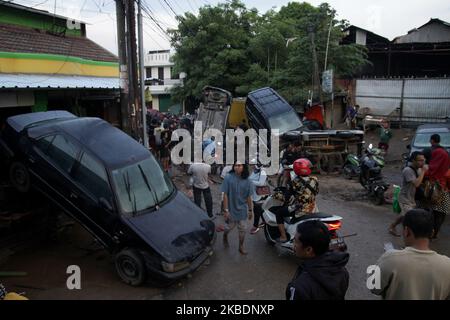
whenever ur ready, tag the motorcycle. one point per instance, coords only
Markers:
(271, 231)
(370, 175)
(352, 167)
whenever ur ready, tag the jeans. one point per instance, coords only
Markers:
(208, 199)
(281, 213)
(257, 211)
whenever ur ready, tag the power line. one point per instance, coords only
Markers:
(170, 7)
(148, 12)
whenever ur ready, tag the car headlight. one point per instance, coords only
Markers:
(174, 267)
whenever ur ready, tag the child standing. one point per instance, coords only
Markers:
(385, 136)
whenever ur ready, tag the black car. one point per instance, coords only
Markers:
(114, 187)
(266, 109)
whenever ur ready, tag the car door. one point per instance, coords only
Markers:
(93, 195)
(51, 162)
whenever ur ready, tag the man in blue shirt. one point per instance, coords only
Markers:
(237, 202)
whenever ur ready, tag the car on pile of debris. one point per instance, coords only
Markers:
(113, 187)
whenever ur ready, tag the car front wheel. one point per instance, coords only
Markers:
(131, 267)
(19, 177)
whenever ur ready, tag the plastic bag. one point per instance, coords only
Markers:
(395, 204)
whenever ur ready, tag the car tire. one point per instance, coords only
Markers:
(19, 177)
(130, 267)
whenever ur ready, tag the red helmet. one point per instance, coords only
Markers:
(302, 167)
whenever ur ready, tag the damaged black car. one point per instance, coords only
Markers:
(113, 187)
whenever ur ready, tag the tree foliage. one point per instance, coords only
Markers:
(240, 50)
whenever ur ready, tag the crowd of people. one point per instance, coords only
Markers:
(424, 201)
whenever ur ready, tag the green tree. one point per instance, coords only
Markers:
(237, 49)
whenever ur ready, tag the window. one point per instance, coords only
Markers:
(62, 152)
(92, 176)
(148, 73)
(161, 73)
(141, 186)
(285, 122)
(44, 143)
(422, 140)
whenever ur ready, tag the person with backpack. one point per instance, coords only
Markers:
(412, 178)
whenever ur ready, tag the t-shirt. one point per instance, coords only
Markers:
(412, 274)
(259, 180)
(237, 190)
(385, 135)
(200, 172)
(408, 192)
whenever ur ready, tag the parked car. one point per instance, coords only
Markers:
(421, 139)
(114, 187)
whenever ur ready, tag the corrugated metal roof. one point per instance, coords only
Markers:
(33, 81)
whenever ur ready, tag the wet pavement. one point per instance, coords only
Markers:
(262, 275)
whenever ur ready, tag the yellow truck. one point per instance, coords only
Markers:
(237, 115)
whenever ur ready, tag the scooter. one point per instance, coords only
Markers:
(370, 176)
(352, 167)
(271, 231)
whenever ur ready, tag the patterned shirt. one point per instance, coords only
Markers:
(305, 190)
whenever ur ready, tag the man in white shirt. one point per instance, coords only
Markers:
(200, 173)
(417, 272)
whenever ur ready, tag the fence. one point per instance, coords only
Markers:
(405, 100)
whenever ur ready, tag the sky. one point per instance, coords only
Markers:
(389, 18)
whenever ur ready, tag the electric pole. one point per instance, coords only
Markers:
(126, 34)
(315, 62)
(141, 75)
(123, 67)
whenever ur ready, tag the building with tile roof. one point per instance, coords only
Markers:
(47, 62)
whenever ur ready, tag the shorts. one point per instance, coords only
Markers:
(241, 225)
(406, 208)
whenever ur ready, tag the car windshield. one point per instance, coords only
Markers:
(285, 122)
(422, 140)
(141, 186)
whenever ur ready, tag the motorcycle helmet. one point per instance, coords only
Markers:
(302, 167)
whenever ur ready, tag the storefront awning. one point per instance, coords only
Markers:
(42, 81)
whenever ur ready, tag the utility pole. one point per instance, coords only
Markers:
(141, 74)
(126, 31)
(132, 67)
(123, 65)
(315, 62)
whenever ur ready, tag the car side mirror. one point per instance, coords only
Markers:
(105, 204)
(408, 147)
